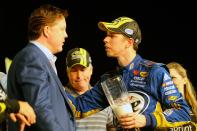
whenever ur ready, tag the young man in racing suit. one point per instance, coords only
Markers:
(148, 83)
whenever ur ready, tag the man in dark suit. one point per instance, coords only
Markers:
(32, 76)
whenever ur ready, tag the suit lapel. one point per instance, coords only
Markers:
(60, 86)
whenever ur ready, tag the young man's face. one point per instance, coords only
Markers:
(115, 44)
(79, 76)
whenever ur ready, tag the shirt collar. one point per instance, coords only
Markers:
(45, 50)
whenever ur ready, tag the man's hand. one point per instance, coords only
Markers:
(26, 115)
(21, 118)
(27, 111)
(132, 120)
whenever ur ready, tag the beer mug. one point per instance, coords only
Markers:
(117, 95)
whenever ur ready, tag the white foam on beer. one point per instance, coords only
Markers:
(123, 109)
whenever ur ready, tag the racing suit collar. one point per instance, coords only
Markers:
(133, 63)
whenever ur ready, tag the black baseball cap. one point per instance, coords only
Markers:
(78, 56)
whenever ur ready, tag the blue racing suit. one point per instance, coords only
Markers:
(151, 89)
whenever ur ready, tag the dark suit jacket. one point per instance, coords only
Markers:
(31, 78)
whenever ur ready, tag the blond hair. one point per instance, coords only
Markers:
(190, 93)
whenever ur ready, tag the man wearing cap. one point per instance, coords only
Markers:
(148, 82)
(79, 72)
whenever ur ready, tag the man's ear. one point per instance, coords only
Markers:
(46, 31)
(91, 70)
(130, 42)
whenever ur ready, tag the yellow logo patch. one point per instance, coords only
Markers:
(143, 74)
(172, 98)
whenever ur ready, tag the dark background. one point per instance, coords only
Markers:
(168, 30)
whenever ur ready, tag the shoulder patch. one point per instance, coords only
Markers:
(149, 63)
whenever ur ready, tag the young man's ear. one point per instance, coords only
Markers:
(130, 41)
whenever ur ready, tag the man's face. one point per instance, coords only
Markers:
(115, 44)
(79, 77)
(56, 35)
